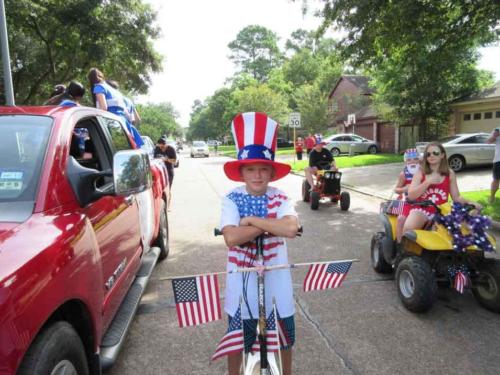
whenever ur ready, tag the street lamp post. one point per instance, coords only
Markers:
(7, 78)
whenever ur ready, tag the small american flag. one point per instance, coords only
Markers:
(272, 338)
(325, 275)
(395, 207)
(197, 300)
(232, 341)
(461, 281)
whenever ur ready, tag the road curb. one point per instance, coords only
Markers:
(494, 224)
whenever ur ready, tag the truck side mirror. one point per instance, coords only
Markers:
(83, 179)
(131, 172)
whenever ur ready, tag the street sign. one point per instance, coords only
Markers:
(294, 120)
(351, 119)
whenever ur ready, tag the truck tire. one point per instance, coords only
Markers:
(378, 261)
(306, 188)
(56, 350)
(486, 288)
(417, 286)
(345, 201)
(314, 200)
(162, 241)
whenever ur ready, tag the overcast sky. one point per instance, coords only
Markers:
(194, 40)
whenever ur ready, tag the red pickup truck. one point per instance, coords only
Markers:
(83, 221)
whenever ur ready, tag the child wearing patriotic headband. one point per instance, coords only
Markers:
(249, 211)
(412, 165)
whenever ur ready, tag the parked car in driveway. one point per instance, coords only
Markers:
(282, 142)
(342, 143)
(199, 148)
(466, 149)
(213, 143)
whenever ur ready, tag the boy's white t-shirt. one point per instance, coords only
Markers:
(278, 283)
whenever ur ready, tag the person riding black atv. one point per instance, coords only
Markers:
(429, 257)
(326, 185)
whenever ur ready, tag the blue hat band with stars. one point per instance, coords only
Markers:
(255, 152)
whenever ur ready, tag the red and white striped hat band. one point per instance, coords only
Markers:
(255, 139)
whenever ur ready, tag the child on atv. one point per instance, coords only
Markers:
(412, 165)
(247, 212)
(319, 158)
(435, 182)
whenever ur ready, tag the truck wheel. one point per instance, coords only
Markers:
(306, 188)
(378, 261)
(345, 201)
(417, 287)
(314, 200)
(57, 350)
(486, 288)
(162, 241)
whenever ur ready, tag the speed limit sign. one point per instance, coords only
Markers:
(294, 120)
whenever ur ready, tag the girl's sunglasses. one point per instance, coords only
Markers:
(435, 153)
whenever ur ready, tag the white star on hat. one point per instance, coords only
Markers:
(244, 154)
(267, 154)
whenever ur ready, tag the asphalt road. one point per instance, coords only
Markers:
(359, 328)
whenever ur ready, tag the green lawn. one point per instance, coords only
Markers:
(481, 197)
(355, 161)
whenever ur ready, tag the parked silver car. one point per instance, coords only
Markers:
(350, 143)
(199, 148)
(465, 150)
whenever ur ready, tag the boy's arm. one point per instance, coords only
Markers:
(287, 226)
(234, 235)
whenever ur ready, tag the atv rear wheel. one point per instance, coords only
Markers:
(417, 287)
(306, 189)
(378, 262)
(314, 200)
(486, 288)
(345, 201)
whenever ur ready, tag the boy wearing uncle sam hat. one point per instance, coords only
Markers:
(248, 211)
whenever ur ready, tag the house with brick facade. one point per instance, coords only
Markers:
(476, 113)
(352, 95)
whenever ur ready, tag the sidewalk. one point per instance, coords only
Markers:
(379, 180)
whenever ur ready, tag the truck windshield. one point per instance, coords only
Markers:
(23, 141)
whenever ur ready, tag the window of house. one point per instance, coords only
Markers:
(497, 114)
(488, 115)
(467, 117)
(477, 116)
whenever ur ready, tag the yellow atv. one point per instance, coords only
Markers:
(427, 257)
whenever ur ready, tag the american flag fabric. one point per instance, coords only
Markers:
(233, 341)
(325, 275)
(461, 281)
(254, 128)
(197, 300)
(395, 207)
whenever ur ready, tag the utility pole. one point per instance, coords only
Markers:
(7, 77)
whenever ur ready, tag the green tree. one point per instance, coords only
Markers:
(54, 41)
(422, 54)
(255, 50)
(312, 105)
(159, 119)
(300, 39)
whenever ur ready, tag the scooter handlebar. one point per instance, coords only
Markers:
(218, 232)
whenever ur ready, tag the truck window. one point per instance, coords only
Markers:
(119, 139)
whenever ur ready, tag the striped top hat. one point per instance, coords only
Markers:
(255, 139)
(411, 153)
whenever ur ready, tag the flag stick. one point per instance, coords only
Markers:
(255, 269)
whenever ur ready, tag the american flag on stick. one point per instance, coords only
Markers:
(197, 299)
(461, 281)
(325, 275)
(233, 341)
(395, 207)
(272, 338)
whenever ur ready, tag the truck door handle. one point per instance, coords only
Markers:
(130, 200)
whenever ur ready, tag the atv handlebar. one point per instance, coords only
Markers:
(469, 207)
(218, 232)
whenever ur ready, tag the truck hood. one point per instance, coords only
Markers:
(6, 230)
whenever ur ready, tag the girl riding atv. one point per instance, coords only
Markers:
(435, 182)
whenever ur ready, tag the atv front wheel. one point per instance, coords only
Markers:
(306, 189)
(378, 262)
(345, 201)
(486, 288)
(314, 200)
(417, 287)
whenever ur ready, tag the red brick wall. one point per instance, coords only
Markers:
(343, 88)
(386, 137)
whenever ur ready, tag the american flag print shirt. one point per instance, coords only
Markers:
(236, 205)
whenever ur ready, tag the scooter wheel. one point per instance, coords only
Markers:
(345, 201)
(306, 188)
(314, 200)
